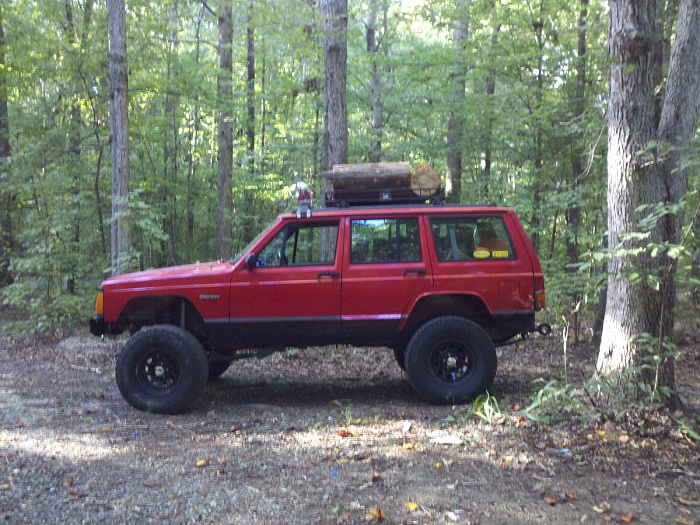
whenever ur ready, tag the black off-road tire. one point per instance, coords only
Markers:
(400, 356)
(162, 369)
(217, 368)
(450, 360)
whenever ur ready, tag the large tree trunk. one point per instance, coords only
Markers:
(334, 143)
(455, 122)
(635, 179)
(224, 208)
(119, 126)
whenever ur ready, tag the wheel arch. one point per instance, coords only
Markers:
(430, 307)
(150, 310)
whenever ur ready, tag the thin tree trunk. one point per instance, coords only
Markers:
(489, 90)
(170, 144)
(250, 84)
(5, 152)
(455, 122)
(119, 126)
(573, 214)
(224, 209)
(377, 121)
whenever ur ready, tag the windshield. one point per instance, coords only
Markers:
(248, 246)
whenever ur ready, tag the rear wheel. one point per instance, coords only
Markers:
(162, 369)
(450, 360)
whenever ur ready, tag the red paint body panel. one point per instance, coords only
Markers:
(371, 301)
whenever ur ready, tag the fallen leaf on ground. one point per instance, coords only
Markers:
(344, 432)
(624, 438)
(68, 483)
(684, 521)
(343, 461)
(201, 463)
(625, 518)
(375, 513)
(551, 499)
(412, 506)
(408, 446)
(5, 486)
(602, 508)
(689, 502)
(376, 476)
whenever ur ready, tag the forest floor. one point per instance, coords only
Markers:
(331, 435)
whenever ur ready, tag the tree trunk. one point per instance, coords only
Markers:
(486, 193)
(375, 148)
(224, 209)
(335, 114)
(171, 139)
(250, 85)
(573, 214)
(119, 126)
(635, 179)
(455, 122)
(5, 152)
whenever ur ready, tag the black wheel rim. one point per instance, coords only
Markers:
(158, 370)
(451, 361)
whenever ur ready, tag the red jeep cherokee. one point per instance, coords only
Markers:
(440, 285)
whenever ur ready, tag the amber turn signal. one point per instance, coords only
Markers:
(540, 300)
(99, 303)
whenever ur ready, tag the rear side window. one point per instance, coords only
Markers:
(471, 238)
(385, 241)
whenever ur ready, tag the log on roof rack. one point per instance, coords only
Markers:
(380, 183)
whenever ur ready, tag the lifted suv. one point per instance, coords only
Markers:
(440, 285)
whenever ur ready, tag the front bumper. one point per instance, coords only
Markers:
(98, 325)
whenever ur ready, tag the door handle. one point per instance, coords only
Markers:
(417, 271)
(334, 275)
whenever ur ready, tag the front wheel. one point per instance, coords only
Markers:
(162, 369)
(450, 360)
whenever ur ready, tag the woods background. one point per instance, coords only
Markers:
(506, 99)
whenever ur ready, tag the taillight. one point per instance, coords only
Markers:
(540, 295)
(99, 303)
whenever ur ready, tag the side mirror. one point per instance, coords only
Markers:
(250, 261)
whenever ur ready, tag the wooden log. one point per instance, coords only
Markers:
(425, 180)
(374, 183)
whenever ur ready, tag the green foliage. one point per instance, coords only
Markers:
(609, 396)
(59, 176)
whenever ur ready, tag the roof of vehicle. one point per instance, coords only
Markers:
(432, 209)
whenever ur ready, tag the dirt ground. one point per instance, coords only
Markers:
(329, 435)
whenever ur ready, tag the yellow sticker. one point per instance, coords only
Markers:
(500, 254)
(482, 254)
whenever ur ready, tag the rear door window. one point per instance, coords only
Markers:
(471, 238)
(385, 241)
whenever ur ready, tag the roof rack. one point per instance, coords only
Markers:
(384, 196)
